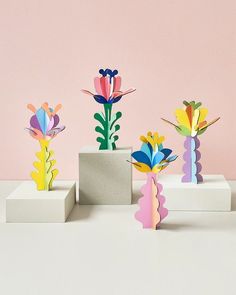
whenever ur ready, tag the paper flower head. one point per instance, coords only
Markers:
(108, 87)
(108, 92)
(44, 127)
(191, 123)
(151, 159)
(191, 119)
(44, 122)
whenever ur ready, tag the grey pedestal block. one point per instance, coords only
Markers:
(105, 177)
(27, 204)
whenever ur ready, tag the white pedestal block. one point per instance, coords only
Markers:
(214, 194)
(26, 204)
(105, 177)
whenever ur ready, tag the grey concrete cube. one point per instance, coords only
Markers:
(27, 204)
(105, 176)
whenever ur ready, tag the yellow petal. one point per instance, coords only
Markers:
(203, 114)
(142, 167)
(196, 115)
(156, 169)
(143, 139)
(151, 141)
(182, 118)
(155, 137)
(160, 140)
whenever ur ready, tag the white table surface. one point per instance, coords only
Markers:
(103, 250)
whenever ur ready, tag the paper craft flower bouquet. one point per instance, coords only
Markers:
(107, 93)
(43, 127)
(152, 159)
(191, 124)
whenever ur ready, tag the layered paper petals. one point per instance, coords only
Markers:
(152, 156)
(43, 124)
(108, 87)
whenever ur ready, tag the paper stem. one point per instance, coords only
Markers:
(192, 167)
(152, 210)
(44, 174)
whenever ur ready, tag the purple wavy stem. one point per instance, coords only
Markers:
(192, 167)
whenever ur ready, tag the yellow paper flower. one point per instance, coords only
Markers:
(191, 119)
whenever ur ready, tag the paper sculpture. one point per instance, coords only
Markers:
(43, 127)
(191, 124)
(107, 93)
(152, 159)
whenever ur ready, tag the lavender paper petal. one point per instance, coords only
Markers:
(34, 123)
(55, 131)
(56, 121)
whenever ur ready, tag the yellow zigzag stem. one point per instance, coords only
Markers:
(45, 175)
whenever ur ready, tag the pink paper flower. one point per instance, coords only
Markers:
(108, 87)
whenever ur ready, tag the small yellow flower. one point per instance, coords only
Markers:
(153, 138)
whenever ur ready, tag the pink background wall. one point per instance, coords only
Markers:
(168, 50)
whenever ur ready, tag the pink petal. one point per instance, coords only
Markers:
(120, 93)
(105, 87)
(35, 133)
(87, 92)
(50, 124)
(97, 85)
(117, 83)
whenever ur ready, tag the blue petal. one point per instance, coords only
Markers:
(102, 72)
(166, 152)
(100, 99)
(158, 158)
(172, 158)
(140, 156)
(43, 119)
(116, 99)
(145, 148)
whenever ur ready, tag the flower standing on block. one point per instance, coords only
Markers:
(44, 127)
(151, 159)
(192, 123)
(108, 92)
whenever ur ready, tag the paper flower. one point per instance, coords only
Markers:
(107, 93)
(191, 119)
(43, 124)
(151, 159)
(108, 87)
(191, 123)
(43, 127)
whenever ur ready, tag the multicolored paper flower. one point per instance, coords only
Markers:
(107, 93)
(192, 119)
(152, 157)
(44, 122)
(191, 123)
(43, 127)
(108, 87)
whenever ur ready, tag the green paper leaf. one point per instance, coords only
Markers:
(201, 131)
(108, 129)
(99, 117)
(183, 130)
(100, 130)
